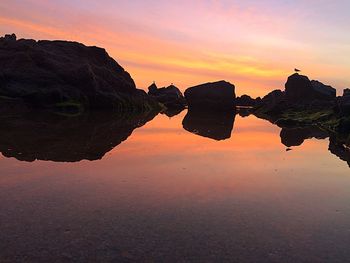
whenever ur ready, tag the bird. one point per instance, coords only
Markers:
(297, 70)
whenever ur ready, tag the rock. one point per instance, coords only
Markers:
(324, 91)
(48, 73)
(245, 100)
(152, 89)
(272, 103)
(344, 103)
(213, 125)
(216, 96)
(171, 97)
(346, 92)
(9, 38)
(300, 90)
(41, 135)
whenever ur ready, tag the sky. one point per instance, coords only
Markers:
(253, 44)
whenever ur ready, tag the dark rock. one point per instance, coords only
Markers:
(152, 89)
(245, 100)
(344, 126)
(273, 103)
(214, 125)
(47, 73)
(344, 103)
(323, 91)
(300, 90)
(216, 96)
(39, 135)
(8, 38)
(171, 97)
(346, 92)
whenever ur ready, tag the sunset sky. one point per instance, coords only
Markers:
(253, 44)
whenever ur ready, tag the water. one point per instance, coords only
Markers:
(165, 194)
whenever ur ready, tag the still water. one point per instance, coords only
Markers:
(161, 193)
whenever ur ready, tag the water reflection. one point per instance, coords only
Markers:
(339, 149)
(213, 125)
(51, 137)
(296, 136)
(169, 195)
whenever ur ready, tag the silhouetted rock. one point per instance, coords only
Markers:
(216, 96)
(9, 38)
(152, 89)
(272, 104)
(299, 89)
(303, 102)
(214, 125)
(50, 73)
(344, 103)
(245, 100)
(171, 97)
(39, 135)
(346, 92)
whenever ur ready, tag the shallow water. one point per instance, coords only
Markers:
(168, 195)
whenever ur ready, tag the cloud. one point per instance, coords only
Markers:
(255, 43)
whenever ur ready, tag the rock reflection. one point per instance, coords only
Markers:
(296, 136)
(213, 125)
(339, 149)
(51, 137)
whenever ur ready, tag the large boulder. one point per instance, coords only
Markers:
(217, 96)
(171, 97)
(49, 73)
(300, 90)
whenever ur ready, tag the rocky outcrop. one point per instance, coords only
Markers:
(213, 125)
(51, 73)
(246, 101)
(40, 135)
(171, 97)
(300, 90)
(344, 103)
(214, 96)
(300, 94)
(271, 105)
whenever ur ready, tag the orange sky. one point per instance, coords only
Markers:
(253, 45)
